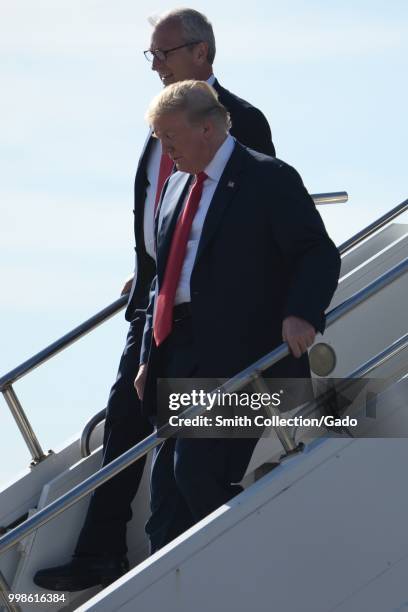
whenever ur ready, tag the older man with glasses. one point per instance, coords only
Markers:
(182, 47)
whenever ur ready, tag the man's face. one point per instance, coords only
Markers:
(180, 64)
(186, 144)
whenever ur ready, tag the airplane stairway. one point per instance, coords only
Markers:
(323, 530)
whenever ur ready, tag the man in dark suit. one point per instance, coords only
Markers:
(182, 46)
(243, 261)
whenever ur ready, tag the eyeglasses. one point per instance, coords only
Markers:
(161, 55)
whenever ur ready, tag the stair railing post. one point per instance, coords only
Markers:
(24, 425)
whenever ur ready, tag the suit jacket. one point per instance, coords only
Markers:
(264, 254)
(249, 126)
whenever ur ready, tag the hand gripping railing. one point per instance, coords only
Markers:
(7, 381)
(335, 197)
(139, 450)
(249, 375)
(56, 347)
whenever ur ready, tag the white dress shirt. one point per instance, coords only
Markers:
(214, 171)
(152, 170)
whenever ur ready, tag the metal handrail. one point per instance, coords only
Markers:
(87, 432)
(373, 227)
(104, 314)
(24, 425)
(142, 448)
(335, 197)
(113, 308)
(7, 380)
(371, 364)
(56, 347)
(4, 589)
(382, 357)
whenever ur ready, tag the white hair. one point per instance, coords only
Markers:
(195, 27)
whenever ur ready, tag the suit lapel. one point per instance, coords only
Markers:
(174, 199)
(140, 188)
(145, 149)
(226, 190)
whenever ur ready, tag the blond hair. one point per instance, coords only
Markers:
(195, 98)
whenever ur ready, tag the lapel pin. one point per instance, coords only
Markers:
(231, 184)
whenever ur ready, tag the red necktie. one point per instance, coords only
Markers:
(166, 166)
(163, 318)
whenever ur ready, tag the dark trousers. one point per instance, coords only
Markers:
(104, 529)
(190, 477)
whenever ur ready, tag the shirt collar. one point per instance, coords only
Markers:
(211, 80)
(216, 166)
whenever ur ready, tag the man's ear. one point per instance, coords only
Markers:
(208, 128)
(201, 53)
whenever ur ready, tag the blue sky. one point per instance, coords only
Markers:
(329, 76)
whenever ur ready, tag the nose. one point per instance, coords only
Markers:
(156, 63)
(167, 148)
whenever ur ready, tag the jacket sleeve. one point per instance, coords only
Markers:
(311, 256)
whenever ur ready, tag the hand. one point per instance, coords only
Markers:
(127, 286)
(299, 334)
(140, 380)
